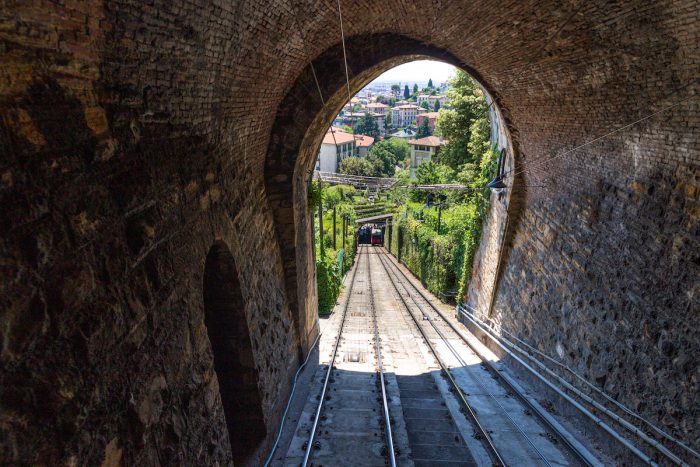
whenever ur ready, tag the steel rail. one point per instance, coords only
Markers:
(463, 363)
(380, 367)
(289, 400)
(594, 403)
(312, 434)
(572, 445)
(631, 413)
(458, 391)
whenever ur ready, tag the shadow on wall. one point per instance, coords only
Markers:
(233, 355)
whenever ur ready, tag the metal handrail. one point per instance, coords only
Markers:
(584, 381)
(289, 401)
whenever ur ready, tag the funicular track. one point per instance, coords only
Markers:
(384, 456)
(540, 443)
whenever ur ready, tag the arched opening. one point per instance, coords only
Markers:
(297, 135)
(231, 346)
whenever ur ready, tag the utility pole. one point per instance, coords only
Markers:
(345, 221)
(441, 201)
(320, 222)
(334, 245)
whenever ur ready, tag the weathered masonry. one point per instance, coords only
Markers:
(153, 163)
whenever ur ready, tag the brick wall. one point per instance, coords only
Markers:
(136, 134)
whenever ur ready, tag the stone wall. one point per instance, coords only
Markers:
(135, 134)
(122, 162)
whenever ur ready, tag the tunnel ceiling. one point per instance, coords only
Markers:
(134, 135)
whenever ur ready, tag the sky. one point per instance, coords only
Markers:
(421, 70)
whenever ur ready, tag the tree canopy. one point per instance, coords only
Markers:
(367, 125)
(430, 83)
(406, 92)
(356, 166)
(468, 110)
(423, 129)
(386, 155)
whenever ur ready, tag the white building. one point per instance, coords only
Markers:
(378, 108)
(336, 146)
(404, 115)
(352, 118)
(363, 144)
(423, 150)
(422, 98)
(431, 100)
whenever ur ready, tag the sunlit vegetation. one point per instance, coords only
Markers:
(442, 258)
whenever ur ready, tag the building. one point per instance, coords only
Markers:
(423, 150)
(363, 144)
(432, 119)
(422, 98)
(431, 100)
(336, 146)
(377, 107)
(351, 118)
(404, 115)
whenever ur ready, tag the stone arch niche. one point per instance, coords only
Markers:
(300, 124)
(234, 363)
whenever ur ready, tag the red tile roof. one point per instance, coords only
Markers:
(340, 137)
(363, 141)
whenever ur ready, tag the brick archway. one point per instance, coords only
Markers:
(132, 134)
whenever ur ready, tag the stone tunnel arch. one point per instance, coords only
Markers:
(301, 121)
(234, 362)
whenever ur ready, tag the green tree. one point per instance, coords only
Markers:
(395, 88)
(425, 105)
(386, 155)
(431, 172)
(468, 105)
(406, 92)
(398, 147)
(346, 129)
(387, 122)
(423, 129)
(331, 198)
(430, 83)
(437, 105)
(415, 89)
(356, 166)
(392, 101)
(367, 125)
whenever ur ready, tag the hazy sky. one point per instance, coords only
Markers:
(421, 70)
